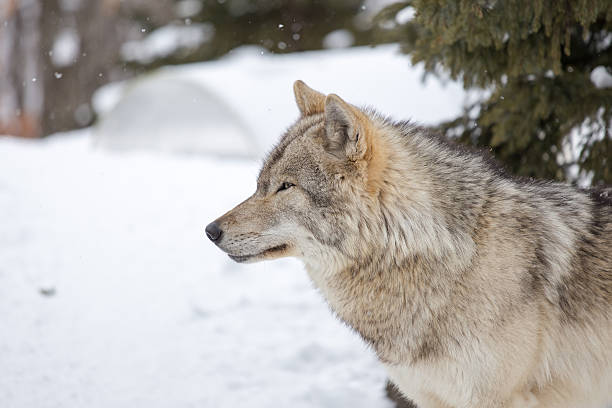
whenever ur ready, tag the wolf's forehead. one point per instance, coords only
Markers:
(296, 135)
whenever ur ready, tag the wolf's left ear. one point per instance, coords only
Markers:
(345, 128)
(308, 100)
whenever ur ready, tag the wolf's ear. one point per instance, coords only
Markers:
(345, 129)
(308, 100)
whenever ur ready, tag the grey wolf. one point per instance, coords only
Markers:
(474, 288)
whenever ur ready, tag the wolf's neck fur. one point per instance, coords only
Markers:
(396, 291)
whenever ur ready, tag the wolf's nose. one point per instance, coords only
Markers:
(213, 232)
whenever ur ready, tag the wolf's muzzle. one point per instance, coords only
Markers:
(213, 232)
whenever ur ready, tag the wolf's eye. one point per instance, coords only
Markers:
(285, 186)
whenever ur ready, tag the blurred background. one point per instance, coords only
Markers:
(128, 125)
(543, 68)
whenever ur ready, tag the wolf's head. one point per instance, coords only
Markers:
(307, 192)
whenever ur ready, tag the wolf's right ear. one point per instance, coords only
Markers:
(308, 100)
(345, 129)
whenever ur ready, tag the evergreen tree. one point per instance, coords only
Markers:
(544, 66)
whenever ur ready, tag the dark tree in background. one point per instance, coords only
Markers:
(280, 26)
(545, 69)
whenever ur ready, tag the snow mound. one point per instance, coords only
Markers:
(171, 114)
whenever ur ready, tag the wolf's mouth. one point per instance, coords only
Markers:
(244, 258)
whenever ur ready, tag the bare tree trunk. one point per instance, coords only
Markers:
(32, 81)
(100, 32)
(21, 88)
(9, 107)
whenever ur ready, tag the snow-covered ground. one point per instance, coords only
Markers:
(111, 296)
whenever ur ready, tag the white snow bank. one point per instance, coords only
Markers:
(168, 113)
(257, 88)
(110, 295)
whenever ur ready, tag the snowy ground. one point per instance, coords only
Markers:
(110, 296)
